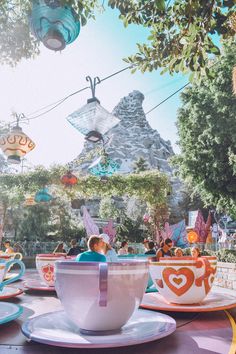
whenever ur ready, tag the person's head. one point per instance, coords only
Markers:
(106, 240)
(178, 252)
(195, 252)
(168, 243)
(124, 244)
(95, 243)
(73, 242)
(151, 245)
(130, 250)
(7, 243)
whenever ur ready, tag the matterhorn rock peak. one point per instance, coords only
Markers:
(131, 139)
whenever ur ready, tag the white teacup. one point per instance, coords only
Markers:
(100, 296)
(45, 267)
(184, 280)
(4, 266)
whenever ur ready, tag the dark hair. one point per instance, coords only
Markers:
(59, 248)
(93, 240)
(151, 244)
(167, 241)
(7, 241)
(73, 242)
(123, 243)
(130, 249)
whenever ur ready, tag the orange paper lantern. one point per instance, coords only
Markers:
(192, 237)
(69, 179)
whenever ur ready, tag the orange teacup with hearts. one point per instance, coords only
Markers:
(184, 280)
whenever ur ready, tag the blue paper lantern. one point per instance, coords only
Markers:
(103, 166)
(43, 196)
(54, 25)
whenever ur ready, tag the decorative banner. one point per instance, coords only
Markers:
(179, 234)
(200, 227)
(90, 226)
(110, 230)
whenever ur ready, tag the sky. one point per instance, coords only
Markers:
(98, 51)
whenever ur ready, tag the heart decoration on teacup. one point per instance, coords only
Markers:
(179, 281)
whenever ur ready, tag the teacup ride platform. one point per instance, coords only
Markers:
(197, 333)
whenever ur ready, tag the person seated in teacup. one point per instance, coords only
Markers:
(164, 251)
(151, 248)
(131, 250)
(124, 248)
(59, 248)
(8, 248)
(195, 252)
(95, 252)
(75, 249)
(178, 252)
(108, 251)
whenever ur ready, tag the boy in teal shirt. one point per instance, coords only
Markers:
(94, 254)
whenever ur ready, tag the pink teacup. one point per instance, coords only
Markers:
(100, 296)
(184, 280)
(45, 266)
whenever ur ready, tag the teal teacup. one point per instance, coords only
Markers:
(4, 266)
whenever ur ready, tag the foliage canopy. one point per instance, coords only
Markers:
(207, 134)
(180, 30)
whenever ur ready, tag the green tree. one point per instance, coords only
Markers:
(207, 136)
(108, 209)
(180, 30)
(140, 165)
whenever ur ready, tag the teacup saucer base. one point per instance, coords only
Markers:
(37, 285)
(215, 301)
(9, 291)
(56, 329)
(9, 312)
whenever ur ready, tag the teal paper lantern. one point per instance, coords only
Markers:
(103, 166)
(43, 196)
(54, 25)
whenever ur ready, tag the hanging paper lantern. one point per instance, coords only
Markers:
(192, 237)
(16, 144)
(43, 196)
(93, 120)
(103, 166)
(69, 179)
(54, 25)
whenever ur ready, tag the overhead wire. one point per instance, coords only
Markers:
(59, 102)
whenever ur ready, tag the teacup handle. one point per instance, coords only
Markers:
(18, 255)
(18, 276)
(103, 274)
(208, 270)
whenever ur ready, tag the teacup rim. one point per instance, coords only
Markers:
(187, 258)
(51, 255)
(130, 262)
